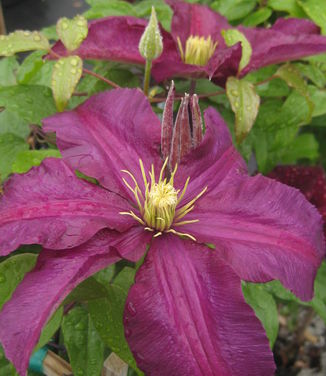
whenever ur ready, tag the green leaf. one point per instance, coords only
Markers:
(20, 41)
(104, 8)
(25, 160)
(265, 308)
(289, 6)
(31, 102)
(8, 67)
(305, 146)
(233, 36)
(274, 88)
(258, 17)
(50, 32)
(293, 78)
(12, 271)
(84, 345)
(6, 368)
(72, 32)
(35, 71)
(313, 73)
(50, 328)
(10, 122)
(316, 10)
(105, 276)
(65, 77)
(125, 278)
(163, 11)
(320, 282)
(234, 9)
(89, 289)
(10, 146)
(245, 104)
(107, 314)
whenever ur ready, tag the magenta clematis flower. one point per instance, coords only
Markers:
(195, 46)
(185, 314)
(310, 180)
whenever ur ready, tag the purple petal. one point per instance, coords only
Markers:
(264, 229)
(278, 44)
(111, 38)
(193, 19)
(49, 205)
(212, 161)
(115, 39)
(43, 289)
(186, 315)
(295, 26)
(108, 133)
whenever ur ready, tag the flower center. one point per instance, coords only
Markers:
(198, 50)
(158, 203)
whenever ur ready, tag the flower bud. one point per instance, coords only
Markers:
(151, 45)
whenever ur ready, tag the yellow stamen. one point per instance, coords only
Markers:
(198, 50)
(157, 205)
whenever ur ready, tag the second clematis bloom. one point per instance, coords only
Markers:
(177, 191)
(196, 48)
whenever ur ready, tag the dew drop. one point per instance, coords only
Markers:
(74, 62)
(27, 33)
(236, 104)
(80, 22)
(64, 25)
(73, 71)
(128, 333)
(131, 309)
(139, 358)
(248, 108)
(37, 38)
(235, 93)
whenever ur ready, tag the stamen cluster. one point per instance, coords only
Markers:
(158, 204)
(198, 50)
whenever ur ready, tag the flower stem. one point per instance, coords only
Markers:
(147, 76)
(192, 88)
(109, 82)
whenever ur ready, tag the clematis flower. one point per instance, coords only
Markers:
(185, 313)
(195, 47)
(310, 180)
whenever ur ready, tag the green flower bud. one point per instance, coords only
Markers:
(151, 45)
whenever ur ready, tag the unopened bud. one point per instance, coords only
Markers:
(151, 45)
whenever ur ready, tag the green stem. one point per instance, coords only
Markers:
(147, 77)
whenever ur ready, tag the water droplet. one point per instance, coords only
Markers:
(73, 71)
(235, 93)
(2, 279)
(248, 108)
(139, 358)
(131, 308)
(128, 332)
(64, 25)
(9, 45)
(74, 62)
(37, 38)
(27, 33)
(81, 22)
(236, 104)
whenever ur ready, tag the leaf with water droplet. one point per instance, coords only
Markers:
(84, 345)
(245, 104)
(29, 102)
(72, 32)
(65, 77)
(21, 41)
(232, 37)
(107, 316)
